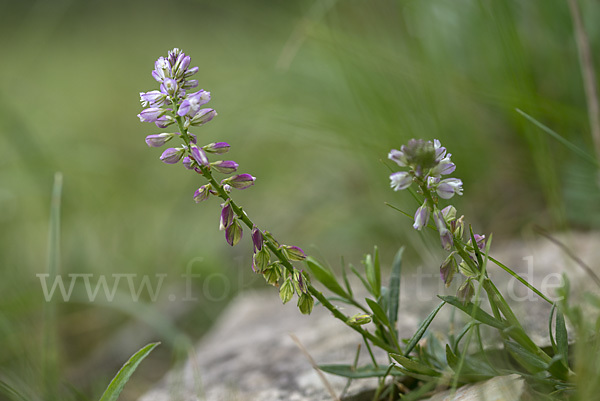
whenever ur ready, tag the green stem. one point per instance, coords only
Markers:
(274, 249)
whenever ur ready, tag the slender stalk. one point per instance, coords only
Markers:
(588, 74)
(273, 248)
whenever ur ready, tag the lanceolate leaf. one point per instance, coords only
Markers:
(118, 382)
(394, 292)
(422, 328)
(326, 277)
(479, 315)
(360, 372)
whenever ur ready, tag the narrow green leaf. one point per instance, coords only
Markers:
(378, 311)
(528, 360)
(394, 293)
(361, 372)
(479, 314)
(11, 392)
(357, 274)
(346, 282)
(414, 365)
(583, 154)
(377, 268)
(118, 382)
(422, 328)
(562, 338)
(521, 280)
(371, 275)
(325, 277)
(550, 333)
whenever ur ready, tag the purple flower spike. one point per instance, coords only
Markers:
(203, 116)
(199, 156)
(171, 155)
(217, 147)
(257, 239)
(151, 114)
(400, 180)
(233, 233)
(421, 217)
(158, 140)
(241, 181)
(202, 193)
(226, 216)
(225, 166)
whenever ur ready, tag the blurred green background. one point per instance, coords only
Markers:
(311, 95)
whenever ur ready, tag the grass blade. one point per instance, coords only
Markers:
(422, 328)
(394, 293)
(521, 279)
(583, 154)
(562, 339)
(118, 382)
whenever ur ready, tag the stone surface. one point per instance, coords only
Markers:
(249, 355)
(501, 388)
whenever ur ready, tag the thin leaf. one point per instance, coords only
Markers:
(378, 311)
(11, 392)
(362, 372)
(586, 156)
(118, 382)
(346, 282)
(550, 333)
(562, 338)
(377, 268)
(357, 274)
(521, 280)
(325, 277)
(371, 273)
(394, 293)
(421, 330)
(478, 314)
(414, 365)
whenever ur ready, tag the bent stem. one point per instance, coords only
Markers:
(238, 210)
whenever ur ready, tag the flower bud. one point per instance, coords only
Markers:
(153, 99)
(305, 304)
(202, 193)
(301, 282)
(257, 239)
(421, 217)
(447, 269)
(234, 232)
(225, 166)
(293, 253)
(217, 147)
(286, 291)
(398, 157)
(172, 155)
(466, 291)
(449, 213)
(227, 215)
(199, 156)
(272, 274)
(158, 140)
(260, 260)
(240, 181)
(203, 116)
(466, 269)
(187, 162)
(151, 114)
(359, 319)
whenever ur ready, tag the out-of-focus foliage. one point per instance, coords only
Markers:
(311, 95)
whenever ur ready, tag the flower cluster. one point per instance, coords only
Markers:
(426, 163)
(171, 104)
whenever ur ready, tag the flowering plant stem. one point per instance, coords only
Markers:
(207, 174)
